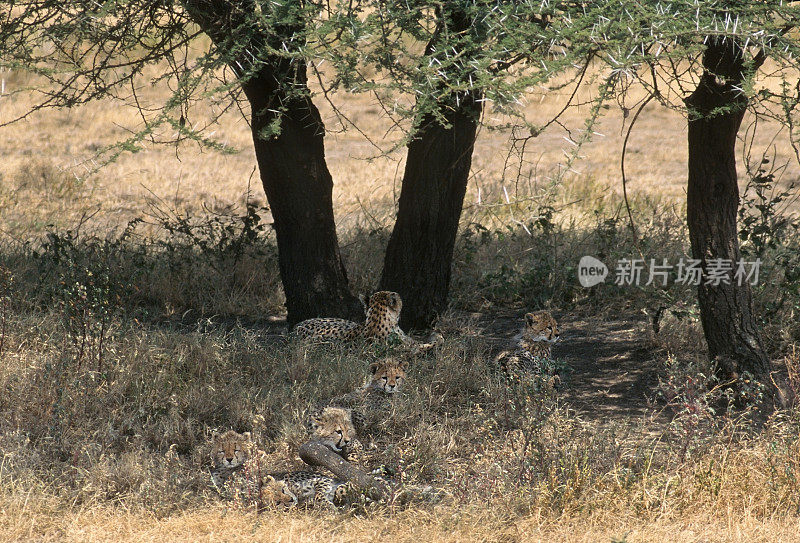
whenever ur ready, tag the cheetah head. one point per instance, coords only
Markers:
(276, 493)
(230, 450)
(387, 376)
(385, 305)
(333, 427)
(540, 326)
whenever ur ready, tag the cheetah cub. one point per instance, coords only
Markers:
(301, 488)
(239, 474)
(333, 427)
(370, 404)
(383, 315)
(229, 452)
(532, 352)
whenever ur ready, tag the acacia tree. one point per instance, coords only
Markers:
(263, 44)
(475, 52)
(704, 59)
(716, 109)
(89, 50)
(102, 48)
(478, 51)
(420, 250)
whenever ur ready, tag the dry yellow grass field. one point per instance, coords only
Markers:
(187, 178)
(84, 447)
(214, 524)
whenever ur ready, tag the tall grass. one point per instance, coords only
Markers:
(140, 308)
(121, 353)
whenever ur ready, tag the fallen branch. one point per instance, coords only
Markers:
(317, 454)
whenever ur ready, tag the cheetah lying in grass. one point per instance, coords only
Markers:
(239, 472)
(532, 354)
(232, 452)
(370, 403)
(240, 468)
(383, 315)
(229, 452)
(301, 488)
(333, 427)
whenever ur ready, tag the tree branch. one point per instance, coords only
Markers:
(314, 453)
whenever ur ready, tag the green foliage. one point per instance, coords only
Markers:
(770, 232)
(702, 406)
(532, 261)
(763, 223)
(155, 265)
(87, 308)
(420, 59)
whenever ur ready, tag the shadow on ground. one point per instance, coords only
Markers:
(613, 371)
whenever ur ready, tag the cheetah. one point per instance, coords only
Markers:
(333, 427)
(239, 474)
(383, 314)
(532, 354)
(370, 408)
(275, 492)
(369, 404)
(229, 452)
(302, 488)
(386, 377)
(310, 488)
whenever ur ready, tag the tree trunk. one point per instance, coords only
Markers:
(420, 250)
(288, 137)
(298, 186)
(726, 310)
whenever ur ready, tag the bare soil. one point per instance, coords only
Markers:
(613, 371)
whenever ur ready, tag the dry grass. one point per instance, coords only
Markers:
(64, 142)
(121, 351)
(214, 524)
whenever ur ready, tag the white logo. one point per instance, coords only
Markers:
(591, 271)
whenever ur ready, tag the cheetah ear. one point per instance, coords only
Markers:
(530, 319)
(373, 368)
(404, 365)
(246, 435)
(267, 480)
(215, 434)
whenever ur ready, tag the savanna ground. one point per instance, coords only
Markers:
(141, 307)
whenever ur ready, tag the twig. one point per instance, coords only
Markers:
(622, 165)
